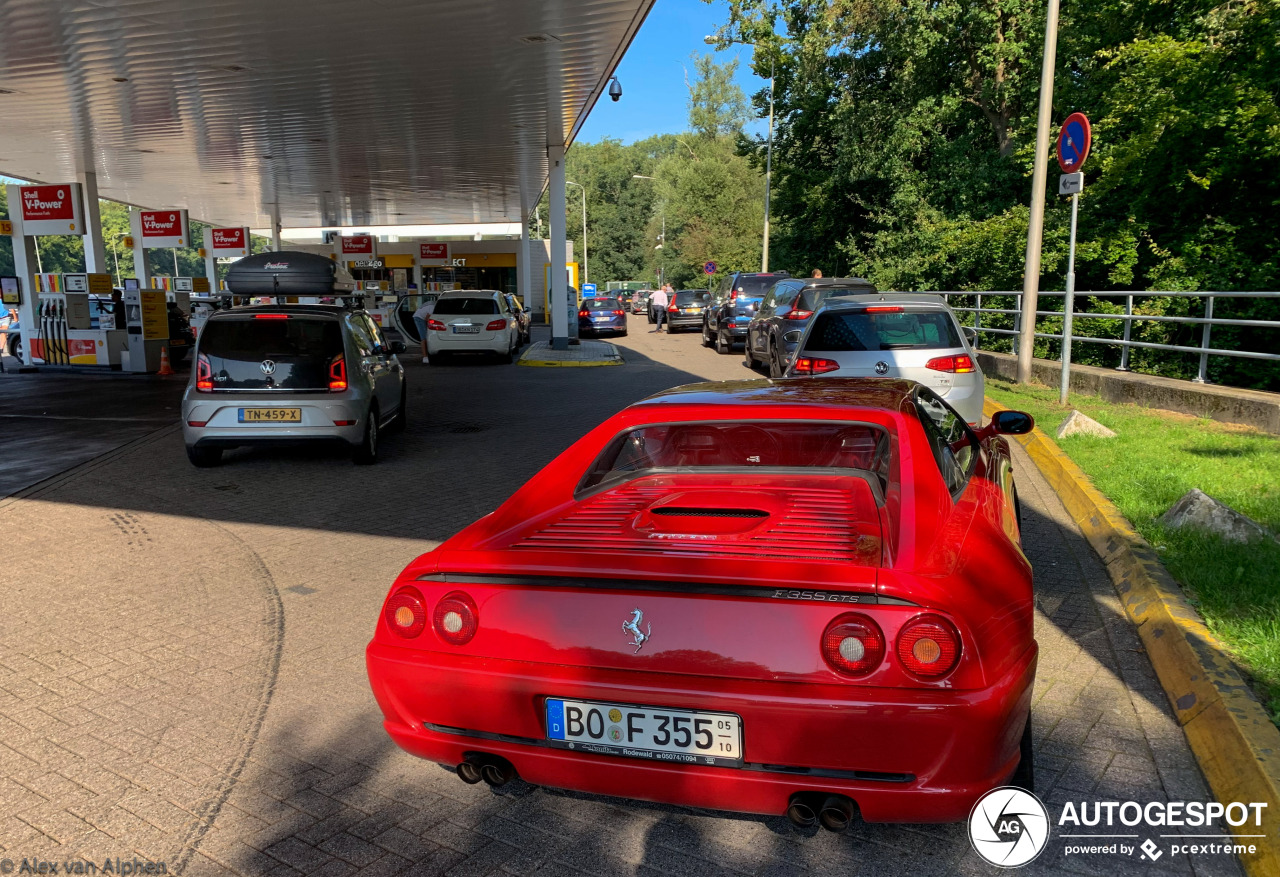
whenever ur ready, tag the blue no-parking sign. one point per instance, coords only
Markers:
(709, 268)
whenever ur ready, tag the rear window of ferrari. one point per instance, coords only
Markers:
(735, 445)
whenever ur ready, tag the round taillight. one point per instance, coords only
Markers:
(455, 618)
(929, 646)
(405, 613)
(853, 645)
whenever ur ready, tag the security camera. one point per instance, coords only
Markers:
(615, 89)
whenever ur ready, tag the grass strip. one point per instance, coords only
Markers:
(1156, 458)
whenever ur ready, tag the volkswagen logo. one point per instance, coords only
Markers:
(882, 367)
(1008, 827)
(268, 367)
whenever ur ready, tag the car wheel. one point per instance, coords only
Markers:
(15, 347)
(203, 458)
(706, 334)
(749, 356)
(622, 334)
(508, 357)
(776, 367)
(366, 453)
(723, 343)
(401, 420)
(1025, 776)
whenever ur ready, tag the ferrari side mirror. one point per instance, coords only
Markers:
(1010, 423)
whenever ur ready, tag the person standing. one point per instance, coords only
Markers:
(658, 301)
(420, 317)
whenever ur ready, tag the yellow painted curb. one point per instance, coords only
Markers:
(1234, 741)
(582, 363)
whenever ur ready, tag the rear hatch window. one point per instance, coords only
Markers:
(454, 307)
(737, 445)
(271, 351)
(601, 304)
(814, 297)
(898, 329)
(689, 297)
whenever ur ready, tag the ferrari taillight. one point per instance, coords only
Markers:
(853, 644)
(204, 374)
(405, 613)
(929, 646)
(961, 365)
(337, 374)
(455, 618)
(806, 365)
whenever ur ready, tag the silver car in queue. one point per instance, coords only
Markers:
(894, 335)
(283, 374)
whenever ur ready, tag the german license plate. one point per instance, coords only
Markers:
(466, 330)
(270, 415)
(655, 733)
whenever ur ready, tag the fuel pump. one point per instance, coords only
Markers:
(147, 323)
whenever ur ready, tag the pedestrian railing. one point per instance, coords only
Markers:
(1125, 343)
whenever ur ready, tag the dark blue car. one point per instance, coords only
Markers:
(601, 315)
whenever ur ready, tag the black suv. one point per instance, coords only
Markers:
(733, 305)
(784, 313)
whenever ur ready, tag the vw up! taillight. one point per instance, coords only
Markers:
(204, 374)
(337, 374)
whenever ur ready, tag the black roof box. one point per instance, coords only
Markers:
(288, 272)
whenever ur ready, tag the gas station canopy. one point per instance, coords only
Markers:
(316, 113)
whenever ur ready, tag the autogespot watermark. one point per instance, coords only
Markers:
(117, 866)
(1010, 827)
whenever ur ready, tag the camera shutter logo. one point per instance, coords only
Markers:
(1008, 827)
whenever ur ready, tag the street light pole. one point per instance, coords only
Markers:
(768, 159)
(586, 264)
(1035, 230)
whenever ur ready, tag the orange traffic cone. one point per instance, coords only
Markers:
(165, 367)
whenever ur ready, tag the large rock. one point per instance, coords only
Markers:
(1077, 423)
(1198, 509)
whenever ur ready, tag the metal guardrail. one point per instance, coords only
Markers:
(1208, 321)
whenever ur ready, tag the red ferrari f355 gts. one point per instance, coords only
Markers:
(803, 597)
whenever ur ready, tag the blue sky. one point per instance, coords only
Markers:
(654, 97)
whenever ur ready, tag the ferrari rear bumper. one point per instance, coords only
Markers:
(903, 755)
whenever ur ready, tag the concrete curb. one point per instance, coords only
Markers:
(1234, 741)
(584, 363)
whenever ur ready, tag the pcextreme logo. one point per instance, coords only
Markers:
(1008, 827)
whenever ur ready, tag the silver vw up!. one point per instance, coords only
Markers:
(291, 373)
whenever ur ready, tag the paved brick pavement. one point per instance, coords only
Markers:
(182, 679)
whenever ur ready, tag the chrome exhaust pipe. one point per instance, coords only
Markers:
(498, 772)
(801, 812)
(470, 771)
(836, 813)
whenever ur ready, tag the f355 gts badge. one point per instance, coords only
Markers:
(632, 628)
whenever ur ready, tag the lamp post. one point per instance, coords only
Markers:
(1035, 229)
(586, 265)
(768, 160)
